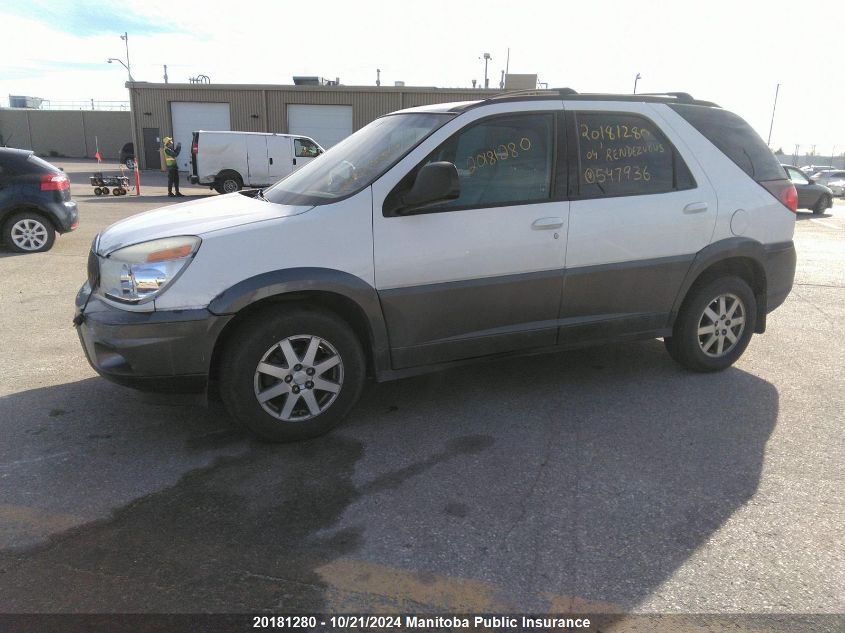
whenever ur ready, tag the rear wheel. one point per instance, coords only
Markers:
(292, 374)
(824, 203)
(28, 232)
(228, 182)
(714, 325)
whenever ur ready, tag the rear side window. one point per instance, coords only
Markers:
(622, 154)
(796, 176)
(735, 139)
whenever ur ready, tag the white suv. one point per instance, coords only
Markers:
(444, 233)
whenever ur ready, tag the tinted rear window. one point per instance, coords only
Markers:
(735, 138)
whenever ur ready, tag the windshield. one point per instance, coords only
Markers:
(357, 161)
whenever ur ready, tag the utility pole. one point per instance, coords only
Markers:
(165, 73)
(378, 76)
(636, 79)
(774, 107)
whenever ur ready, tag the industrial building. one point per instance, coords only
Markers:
(326, 113)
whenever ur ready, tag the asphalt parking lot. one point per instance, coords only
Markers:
(606, 479)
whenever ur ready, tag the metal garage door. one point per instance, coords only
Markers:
(189, 116)
(326, 124)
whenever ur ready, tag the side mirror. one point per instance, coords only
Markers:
(435, 182)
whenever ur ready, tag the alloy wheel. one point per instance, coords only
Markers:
(721, 325)
(298, 378)
(29, 234)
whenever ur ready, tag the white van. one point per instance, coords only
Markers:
(230, 161)
(447, 233)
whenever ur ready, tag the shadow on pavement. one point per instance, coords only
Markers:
(590, 475)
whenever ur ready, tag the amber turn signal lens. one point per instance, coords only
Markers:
(170, 253)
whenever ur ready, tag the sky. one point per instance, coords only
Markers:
(734, 53)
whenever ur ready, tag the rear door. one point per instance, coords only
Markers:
(807, 197)
(257, 164)
(641, 208)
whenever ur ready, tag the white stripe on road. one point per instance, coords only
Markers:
(827, 224)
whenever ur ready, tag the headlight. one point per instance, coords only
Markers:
(138, 273)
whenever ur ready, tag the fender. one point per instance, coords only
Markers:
(720, 251)
(280, 282)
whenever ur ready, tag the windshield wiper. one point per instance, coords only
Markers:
(260, 194)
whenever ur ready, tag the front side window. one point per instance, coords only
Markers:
(304, 148)
(620, 154)
(504, 160)
(357, 160)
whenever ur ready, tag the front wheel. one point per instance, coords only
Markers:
(292, 373)
(714, 325)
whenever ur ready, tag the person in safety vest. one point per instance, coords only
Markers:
(170, 154)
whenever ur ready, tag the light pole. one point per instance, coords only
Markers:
(135, 148)
(125, 38)
(774, 106)
(486, 59)
(636, 79)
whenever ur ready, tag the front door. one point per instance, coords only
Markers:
(152, 143)
(480, 274)
(256, 157)
(641, 209)
(304, 151)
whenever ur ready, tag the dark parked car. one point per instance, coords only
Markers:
(127, 155)
(810, 194)
(35, 202)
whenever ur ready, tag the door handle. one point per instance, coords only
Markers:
(271, 160)
(294, 161)
(546, 223)
(695, 207)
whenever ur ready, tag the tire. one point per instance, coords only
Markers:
(228, 182)
(701, 352)
(280, 340)
(98, 191)
(823, 204)
(28, 232)
(115, 191)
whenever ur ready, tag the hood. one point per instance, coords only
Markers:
(198, 217)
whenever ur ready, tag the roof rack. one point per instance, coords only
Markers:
(568, 94)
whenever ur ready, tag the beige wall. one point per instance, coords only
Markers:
(70, 133)
(263, 108)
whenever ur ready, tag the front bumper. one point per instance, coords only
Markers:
(153, 351)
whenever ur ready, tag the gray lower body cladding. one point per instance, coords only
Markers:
(450, 321)
(437, 324)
